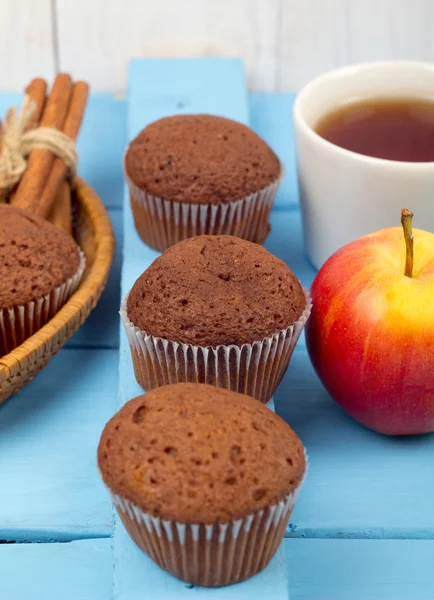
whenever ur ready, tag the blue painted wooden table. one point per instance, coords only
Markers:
(364, 525)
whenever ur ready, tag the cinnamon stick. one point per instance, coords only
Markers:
(71, 128)
(39, 165)
(61, 212)
(37, 91)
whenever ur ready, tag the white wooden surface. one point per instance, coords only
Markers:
(26, 42)
(283, 43)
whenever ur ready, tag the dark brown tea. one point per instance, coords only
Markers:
(394, 128)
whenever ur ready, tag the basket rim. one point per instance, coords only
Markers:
(10, 364)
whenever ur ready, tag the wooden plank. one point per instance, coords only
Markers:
(373, 42)
(360, 484)
(318, 569)
(26, 43)
(317, 36)
(110, 36)
(360, 569)
(79, 570)
(286, 242)
(156, 89)
(283, 44)
(271, 118)
(101, 146)
(416, 18)
(160, 88)
(49, 433)
(382, 37)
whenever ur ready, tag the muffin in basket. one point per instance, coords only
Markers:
(217, 310)
(209, 501)
(200, 174)
(40, 268)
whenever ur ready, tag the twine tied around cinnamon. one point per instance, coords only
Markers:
(17, 142)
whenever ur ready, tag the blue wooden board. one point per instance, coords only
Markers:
(360, 569)
(203, 86)
(49, 434)
(271, 118)
(81, 570)
(360, 485)
(317, 570)
(162, 87)
(101, 146)
(48, 438)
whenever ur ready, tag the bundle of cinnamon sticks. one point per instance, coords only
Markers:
(45, 186)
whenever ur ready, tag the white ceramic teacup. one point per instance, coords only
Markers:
(345, 195)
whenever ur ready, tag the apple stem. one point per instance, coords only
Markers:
(406, 221)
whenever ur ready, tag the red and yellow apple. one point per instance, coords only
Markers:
(370, 336)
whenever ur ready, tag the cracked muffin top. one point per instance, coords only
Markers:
(227, 455)
(200, 159)
(213, 290)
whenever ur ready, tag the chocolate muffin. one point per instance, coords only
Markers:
(40, 268)
(218, 310)
(227, 477)
(200, 174)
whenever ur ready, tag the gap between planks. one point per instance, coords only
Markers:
(293, 532)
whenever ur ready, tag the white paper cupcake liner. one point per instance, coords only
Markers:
(161, 223)
(20, 322)
(210, 555)
(253, 369)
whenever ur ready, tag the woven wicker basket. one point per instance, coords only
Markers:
(93, 232)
